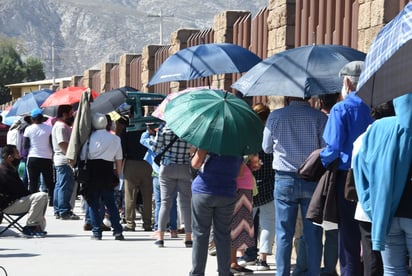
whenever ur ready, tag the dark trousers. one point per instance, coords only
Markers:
(349, 235)
(43, 166)
(372, 260)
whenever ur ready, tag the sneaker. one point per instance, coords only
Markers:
(240, 270)
(262, 265)
(245, 261)
(69, 216)
(57, 216)
(30, 232)
(119, 237)
(159, 243)
(96, 238)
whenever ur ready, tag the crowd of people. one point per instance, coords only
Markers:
(234, 207)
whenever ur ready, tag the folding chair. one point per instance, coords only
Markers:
(12, 220)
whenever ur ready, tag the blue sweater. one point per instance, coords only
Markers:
(381, 168)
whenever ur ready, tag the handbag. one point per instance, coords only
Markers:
(312, 168)
(158, 157)
(350, 189)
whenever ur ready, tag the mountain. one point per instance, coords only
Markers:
(75, 35)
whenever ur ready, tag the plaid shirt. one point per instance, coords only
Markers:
(265, 180)
(178, 153)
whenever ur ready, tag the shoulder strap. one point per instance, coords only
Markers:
(167, 147)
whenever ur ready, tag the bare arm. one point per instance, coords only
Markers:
(198, 158)
(119, 167)
(64, 146)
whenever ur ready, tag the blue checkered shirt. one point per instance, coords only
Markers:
(178, 153)
(292, 133)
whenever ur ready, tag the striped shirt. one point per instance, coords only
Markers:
(292, 133)
(178, 153)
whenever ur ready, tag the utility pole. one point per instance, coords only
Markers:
(53, 73)
(160, 16)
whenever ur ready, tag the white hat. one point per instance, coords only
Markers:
(99, 121)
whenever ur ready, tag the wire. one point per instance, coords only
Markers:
(5, 272)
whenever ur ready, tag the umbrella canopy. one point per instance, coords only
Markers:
(28, 102)
(300, 72)
(111, 100)
(216, 121)
(160, 109)
(205, 60)
(68, 95)
(386, 72)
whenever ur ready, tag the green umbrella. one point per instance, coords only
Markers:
(215, 121)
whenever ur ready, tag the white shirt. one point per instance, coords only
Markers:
(103, 145)
(60, 133)
(39, 135)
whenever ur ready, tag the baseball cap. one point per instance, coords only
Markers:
(37, 112)
(353, 68)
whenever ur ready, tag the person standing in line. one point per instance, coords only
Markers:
(37, 141)
(263, 207)
(291, 134)
(383, 178)
(325, 103)
(174, 177)
(347, 120)
(64, 187)
(104, 149)
(145, 140)
(213, 203)
(137, 175)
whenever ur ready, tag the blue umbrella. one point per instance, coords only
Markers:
(387, 70)
(300, 72)
(28, 102)
(205, 60)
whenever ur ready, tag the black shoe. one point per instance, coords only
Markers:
(127, 229)
(188, 244)
(159, 243)
(241, 271)
(119, 237)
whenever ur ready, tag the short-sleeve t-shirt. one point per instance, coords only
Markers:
(39, 135)
(60, 133)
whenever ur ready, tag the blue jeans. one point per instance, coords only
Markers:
(63, 190)
(398, 245)
(290, 192)
(88, 217)
(267, 226)
(107, 196)
(330, 255)
(208, 209)
(157, 199)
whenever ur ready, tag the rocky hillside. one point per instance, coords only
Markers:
(86, 33)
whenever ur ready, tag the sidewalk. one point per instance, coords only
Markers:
(67, 250)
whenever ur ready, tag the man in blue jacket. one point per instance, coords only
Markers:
(347, 120)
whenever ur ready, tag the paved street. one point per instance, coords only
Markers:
(68, 251)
